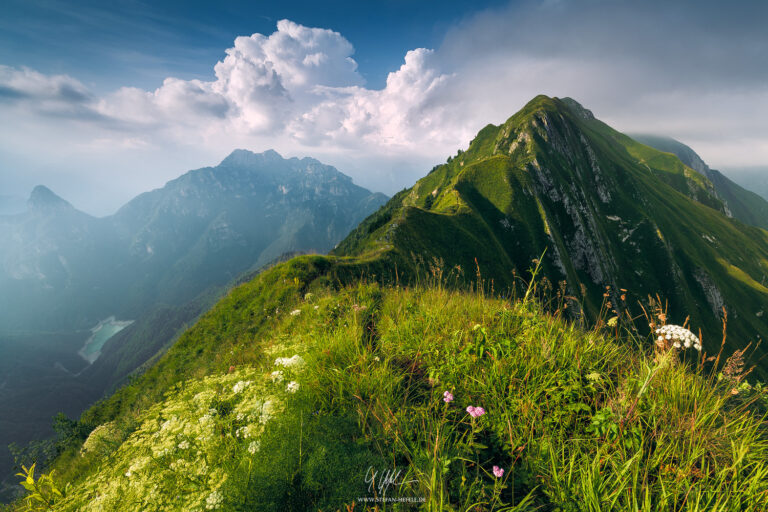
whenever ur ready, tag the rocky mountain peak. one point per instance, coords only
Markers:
(246, 158)
(578, 109)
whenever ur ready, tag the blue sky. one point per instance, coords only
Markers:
(117, 43)
(104, 100)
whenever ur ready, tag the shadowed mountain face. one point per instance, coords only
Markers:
(742, 204)
(609, 211)
(62, 268)
(161, 260)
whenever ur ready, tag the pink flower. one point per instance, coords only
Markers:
(447, 397)
(475, 412)
(498, 472)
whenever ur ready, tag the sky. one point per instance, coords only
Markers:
(101, 101)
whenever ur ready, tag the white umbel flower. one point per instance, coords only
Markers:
(292, 387)
(214, 501)
(241, 385)
(290, 362)
(679, 336)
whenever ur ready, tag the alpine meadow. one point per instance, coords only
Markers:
(565, 315)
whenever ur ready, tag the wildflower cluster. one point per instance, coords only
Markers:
(475, 412)
(295, 361)
(188, 441)
(677, 335)
(101, 439)
(291, 365)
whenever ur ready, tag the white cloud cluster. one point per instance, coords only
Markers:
(401, 114)
(30, 85)
(298, 84)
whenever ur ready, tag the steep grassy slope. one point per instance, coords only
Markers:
(609, 211)
(742, 204)
(294, 389)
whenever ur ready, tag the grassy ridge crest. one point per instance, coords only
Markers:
(575, 418)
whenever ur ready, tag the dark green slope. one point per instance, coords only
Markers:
(741, 203)
(608, 210)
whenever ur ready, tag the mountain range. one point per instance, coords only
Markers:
(168, 245)
(160, 261)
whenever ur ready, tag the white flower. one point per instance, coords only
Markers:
(276, 376)
(292, 387)
(214, 500)
(183, 445)
(253, 447)
(295, 312)
(241, 385)
(680, 336)
(295, 361)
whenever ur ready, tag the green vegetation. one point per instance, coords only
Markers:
(606, 210)
(296, 387)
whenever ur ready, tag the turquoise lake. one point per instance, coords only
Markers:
(100, 334)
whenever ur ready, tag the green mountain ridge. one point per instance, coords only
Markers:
(606, 210)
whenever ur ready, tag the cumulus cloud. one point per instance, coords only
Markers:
(686, 70)
(401, 114)
(299, 83)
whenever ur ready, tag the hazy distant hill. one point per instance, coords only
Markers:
(745, 205)
(63, 268)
